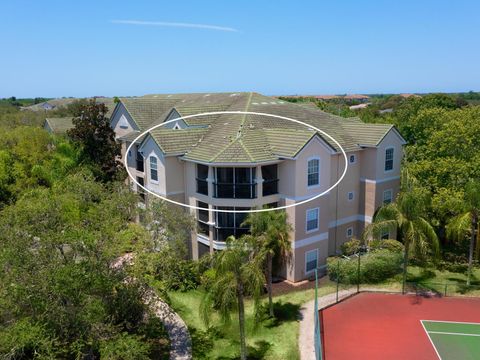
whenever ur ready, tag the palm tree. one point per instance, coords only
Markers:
(271, 232)
(405, 216)
(466, 224)
(238, 273)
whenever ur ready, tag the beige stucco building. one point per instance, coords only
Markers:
(237, 161)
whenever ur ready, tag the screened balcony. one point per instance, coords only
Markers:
(228, 224)
(270, 180)
(235, 183)
(139, 161)
(202, 175)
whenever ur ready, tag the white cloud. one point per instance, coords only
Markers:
(174, 24)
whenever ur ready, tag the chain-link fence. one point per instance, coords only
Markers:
(385, 272)
(318, 324)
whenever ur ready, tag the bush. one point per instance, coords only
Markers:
(175, 273)
(389, 244)
(125, 347)
(375, 267)
(460, 268)
(350, 247)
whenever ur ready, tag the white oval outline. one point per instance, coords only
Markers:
(237, 113)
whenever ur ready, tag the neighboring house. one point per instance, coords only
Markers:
(359, 106)
(47, 106)
(385, 111)
(243, 162)
(58, 125)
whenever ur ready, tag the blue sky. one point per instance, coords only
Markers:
(86, 48)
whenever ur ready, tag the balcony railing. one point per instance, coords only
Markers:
(270, 187)
(202, 186)
(222, 233)
(203, 228)
(235, 191)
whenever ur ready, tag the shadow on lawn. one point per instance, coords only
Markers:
(202, 341)
(256, 352)
(283, 312)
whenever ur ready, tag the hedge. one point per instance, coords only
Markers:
(375, 267)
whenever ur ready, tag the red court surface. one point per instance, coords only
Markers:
(378, 326)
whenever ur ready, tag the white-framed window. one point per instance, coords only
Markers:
(388, 196)
(311, 260)
(153, 168)
(313, 172)
(352, 159)
(349, 232)
(350, 196)
(389, 159)
(312, 219)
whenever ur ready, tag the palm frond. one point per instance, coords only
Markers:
(459, 227)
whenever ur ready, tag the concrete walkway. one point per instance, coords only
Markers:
(180, 341)
(307, 323)
(177, 330)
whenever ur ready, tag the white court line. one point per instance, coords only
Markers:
(453, 322)
(429, 338)
(450, 333)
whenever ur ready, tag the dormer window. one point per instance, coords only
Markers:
(176, 127)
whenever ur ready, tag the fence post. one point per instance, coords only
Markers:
(338, 276)
(317, 327)
(446, 285)
(358, 273)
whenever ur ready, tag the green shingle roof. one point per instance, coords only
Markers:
(60, 125)
(244, 138)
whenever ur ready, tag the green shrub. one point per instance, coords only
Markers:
(26, 339)
(388, 244)
(375, 267)
(350, 247)
(460, 268)
(208, 277)
(125, 347)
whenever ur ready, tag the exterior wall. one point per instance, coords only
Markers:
(150, 148)
(47, 127)
(121, 121)
(294, 188)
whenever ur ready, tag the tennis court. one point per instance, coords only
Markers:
(392, 326)
(454, 340)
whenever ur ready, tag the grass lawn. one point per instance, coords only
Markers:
(273, 339)
(436, 280)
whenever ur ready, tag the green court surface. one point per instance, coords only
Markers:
(454, 340)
